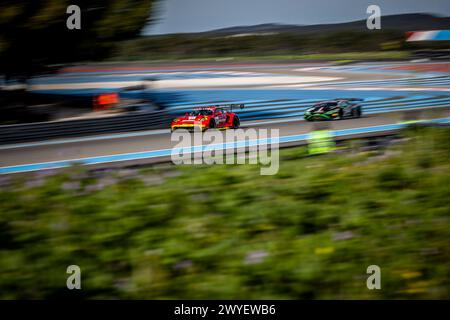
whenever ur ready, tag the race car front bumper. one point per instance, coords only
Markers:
(312, 117)
(189, 126)
(320, 116)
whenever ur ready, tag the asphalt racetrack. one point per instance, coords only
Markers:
(275, 96)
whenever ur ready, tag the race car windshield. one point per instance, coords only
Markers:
(201, 112)
(324, 107)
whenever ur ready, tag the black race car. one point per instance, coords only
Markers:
(334, 109)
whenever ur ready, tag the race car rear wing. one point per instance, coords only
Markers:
(225, 106)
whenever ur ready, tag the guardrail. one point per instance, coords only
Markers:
(82, 127)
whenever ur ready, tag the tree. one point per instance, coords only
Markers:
(34, 34)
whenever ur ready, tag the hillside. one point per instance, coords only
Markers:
(400, 22)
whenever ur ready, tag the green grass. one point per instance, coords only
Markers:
(345, 56)
(226, 232)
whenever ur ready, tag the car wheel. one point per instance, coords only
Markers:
(358, 112)
(355, 113)
(236, 123)
(212, 124)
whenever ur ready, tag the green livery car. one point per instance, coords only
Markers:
(334, 110)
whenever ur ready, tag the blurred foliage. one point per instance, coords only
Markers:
(33, 34)
(179, 46)
(226, 232)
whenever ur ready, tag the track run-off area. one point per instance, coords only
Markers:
(275, 97)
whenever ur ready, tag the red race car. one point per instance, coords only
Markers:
(220, 117)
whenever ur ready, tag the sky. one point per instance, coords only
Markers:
(174, 16)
